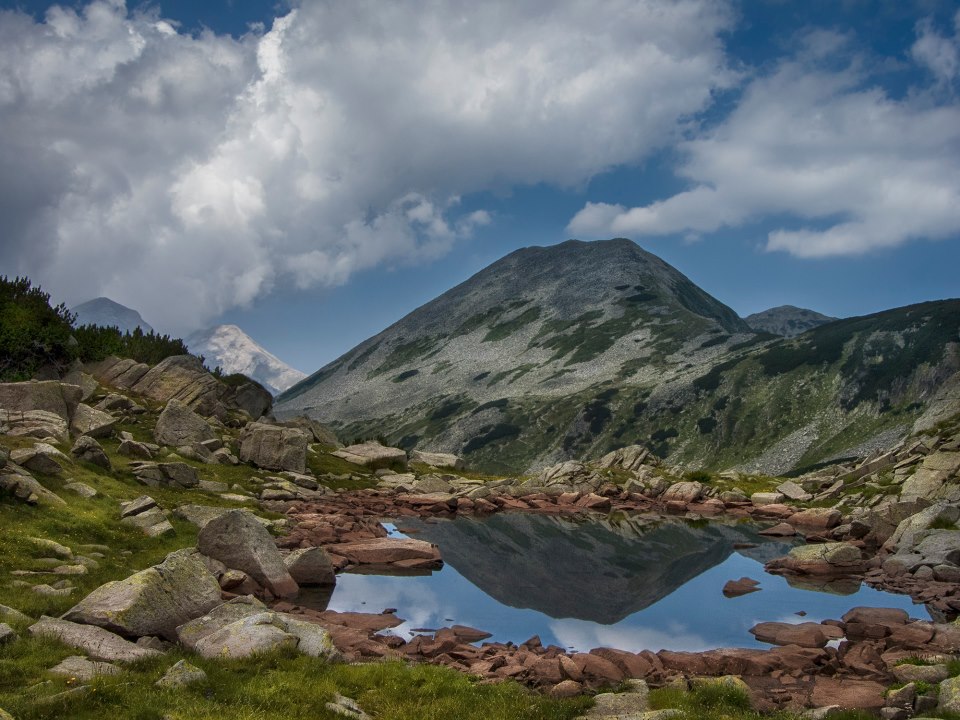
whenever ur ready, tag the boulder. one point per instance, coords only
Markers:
(81, 669)
(89, 450)
(630, 458)
(179, 425)
(172, 474)
(384, 551)
(7, 634)
(28, 490)
(793, 491)
(438, 460)
(932, 480)
(822, 559)
(819, 518)
(238, 541)
(909, 531)
(372, 455)
(949, 698)
(273, 447)
(181, 674)
(183, 378)
(759, 499)
(154, 601)
(685, 492)
(134, 449)
(41, 458)
(238, 608)
(97, 643)
(319, 432)
(49, 396)
(250, 397)
(39, 424)
(267, 631)
(92, 423)
(310, 566)
(87, 383)
(117, 372)
(808, 635)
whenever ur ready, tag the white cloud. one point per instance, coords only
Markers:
(855, 168)
(940, 54)
(184, 175)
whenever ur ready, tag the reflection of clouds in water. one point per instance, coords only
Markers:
(418, 604)
(586, 635)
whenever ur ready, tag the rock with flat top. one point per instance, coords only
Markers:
(685, 492)
(27, 489)
(372, 455)
(310, 566)
(41, 458)
(179, 425)
(384, 551)
(181, 674)
(822, 559)
(89, 450)
(51, 396)
(81, 669)
(437, 460)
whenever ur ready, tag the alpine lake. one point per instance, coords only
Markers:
(631, 582)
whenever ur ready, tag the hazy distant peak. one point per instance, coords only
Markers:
(787, 320)
(108, 313)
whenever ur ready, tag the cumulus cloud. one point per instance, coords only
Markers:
(186, 174)
(852, 167)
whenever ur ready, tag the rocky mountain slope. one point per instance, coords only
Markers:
(786, 320)
(107, 313)
(576, 349)
(236, 352)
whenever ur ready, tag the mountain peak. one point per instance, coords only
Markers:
(236, 352)
(105, 312)
(787, 320)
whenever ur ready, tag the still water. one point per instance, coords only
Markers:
(633, 583)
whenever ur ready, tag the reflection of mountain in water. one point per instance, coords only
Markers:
(597, 571)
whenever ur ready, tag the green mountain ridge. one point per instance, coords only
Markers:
(572, 350)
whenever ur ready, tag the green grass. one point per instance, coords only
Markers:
(276, 685)
(716, 701)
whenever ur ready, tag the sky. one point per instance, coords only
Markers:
(313, 171)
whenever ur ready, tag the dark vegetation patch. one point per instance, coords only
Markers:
(758, 338)
(640, 297)
(508, 327)
(408, 442)
(499, 404)
(621, 288)
(714, 341)
(498, 432)
(481, 376)
(447, 409)
(405, 375)
(664, 434)
(403, 353)
(361, 358)
(711, 381)
(706, 425)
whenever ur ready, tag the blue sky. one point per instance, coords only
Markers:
(312, 172)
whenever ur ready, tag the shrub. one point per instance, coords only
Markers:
(32, 333)
(96, 343)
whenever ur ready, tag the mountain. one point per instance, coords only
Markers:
(107, 313)
(786, 320)
(236, 352)
(573, 350)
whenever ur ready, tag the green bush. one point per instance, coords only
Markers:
(32, 333)
(96, 343)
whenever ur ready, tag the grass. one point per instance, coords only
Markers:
(718, 701)
(279, 685)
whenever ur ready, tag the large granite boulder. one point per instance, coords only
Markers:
(183, 378)
(320, 432)
(372, 455)
(91, 422)
(179, 425)
(310, 566)
(274, 448)
(238, 541)
(49, 395)
(437, 460)
(39, 424)
(630, 458)
(154, 601)
(243, 626)
(835, 558)
(97, 643)
(89, 450)
(251, 397)
(26, 489)
(687, 491)
(118, 372)
(41, 458)
(936, 478)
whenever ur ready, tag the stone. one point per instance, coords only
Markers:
(346, 707)
(743, 586)
(134, 449)
(137, 506)
(181, 674)
(179, 425)
(49, 396)
(382, 551)
(759, 499)
(87, 383)
(179, 474)
(238, 541)
(793, 491)
(630, 458)
(618, 704)
(26, 489)
(200, 515)
(81, 489)
(41, 458)
(238, 608)
(267, 631)
(90, 422)
(949, 698)
(906, 535)
(51, 546)
(780, 530)
(9, 614)
(250, 397)
(372, 455)
(685, 492)
(819, 518)
(310, 566)
(822, 559)
(876, 616)
(88, 450)
(437, 460)
(274, 448)
(808, 635)
(83, 670)
(182, 378)
(930, 674)
(7, 634)
(97, 643)
(38, 424)
(154, 601)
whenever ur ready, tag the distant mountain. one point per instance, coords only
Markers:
(236, 352)
(786, 320)
(572, 350)
(107, 313)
